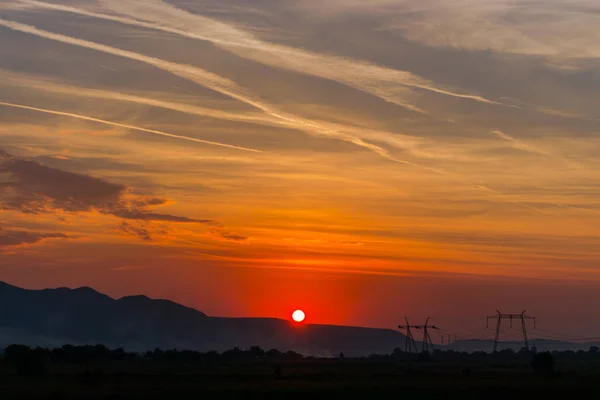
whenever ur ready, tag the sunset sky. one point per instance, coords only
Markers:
(361, 160)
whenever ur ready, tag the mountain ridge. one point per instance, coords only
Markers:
(138, 323)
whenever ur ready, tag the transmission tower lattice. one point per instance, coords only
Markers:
(409, 344)
(500, 316)
(410, 341)
(427, 343)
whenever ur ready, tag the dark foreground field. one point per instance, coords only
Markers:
(147, 379)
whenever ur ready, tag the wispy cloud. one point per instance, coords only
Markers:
(417, 146)
(126, 126)
(138, 231)
(361, 137)
(33, 188)
(389, 84)
(358, 136)
(521, 145)
(207, 79)
(518, 144)
(224, 234)
(563, 32)
(37, 83)
(19, 237)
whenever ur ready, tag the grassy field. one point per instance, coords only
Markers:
(146, 379)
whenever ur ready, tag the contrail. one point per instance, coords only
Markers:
(519, 144)
(230, 89)
(333, 130)
(363, 76)
(212, 81)
(277, 121)
(246, 45)
(19, 79)
(135, 128)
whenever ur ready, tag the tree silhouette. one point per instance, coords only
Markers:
(543, 364)
(26, 360)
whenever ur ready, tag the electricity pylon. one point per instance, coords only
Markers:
(409, 343)
(510, 317)
(427, 343)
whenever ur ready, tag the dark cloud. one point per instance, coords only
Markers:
(30, 187)
(88, 164)
(139, 231)
(16, 237)
(36, 188)
(149, 216)
(222, 233)
(234, 237)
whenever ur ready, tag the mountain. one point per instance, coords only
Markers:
(54, 317)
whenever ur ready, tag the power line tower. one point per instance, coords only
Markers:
(409, 344)
(500, 316)
(427, 343)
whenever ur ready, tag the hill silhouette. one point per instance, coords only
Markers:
(54, 317)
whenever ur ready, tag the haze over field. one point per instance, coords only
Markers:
(360, 160)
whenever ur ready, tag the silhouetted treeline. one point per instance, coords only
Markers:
(507, 356)
(29, 360)
(32, 360)
(235, 354)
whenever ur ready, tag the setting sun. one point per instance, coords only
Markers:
(298, 316)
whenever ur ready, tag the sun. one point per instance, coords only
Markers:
(298, 316)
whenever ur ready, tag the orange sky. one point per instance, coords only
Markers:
(351, 161)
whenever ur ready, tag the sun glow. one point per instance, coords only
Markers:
(298, 316)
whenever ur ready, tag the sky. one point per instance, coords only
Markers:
(362, 161)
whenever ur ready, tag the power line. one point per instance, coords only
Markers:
(563, 336)
(465, 336)
(500, 316)
(427, 343)
(510, 331)
(410, 341)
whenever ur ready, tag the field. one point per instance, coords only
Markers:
(354, 378)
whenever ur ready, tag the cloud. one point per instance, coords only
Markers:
(388, 84)
(565, 32)
(221, 232)
(337, 8)
(138, 231)
(137, 214)
(33, 188)
(19, 237)
(355, 135)
(518, 144)
(204, 78)
(126, 126)
(152, 230)
(348, 133)
(16, 6)
(233, 237)
(21, 79)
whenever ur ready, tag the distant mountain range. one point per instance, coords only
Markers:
(54, 317)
